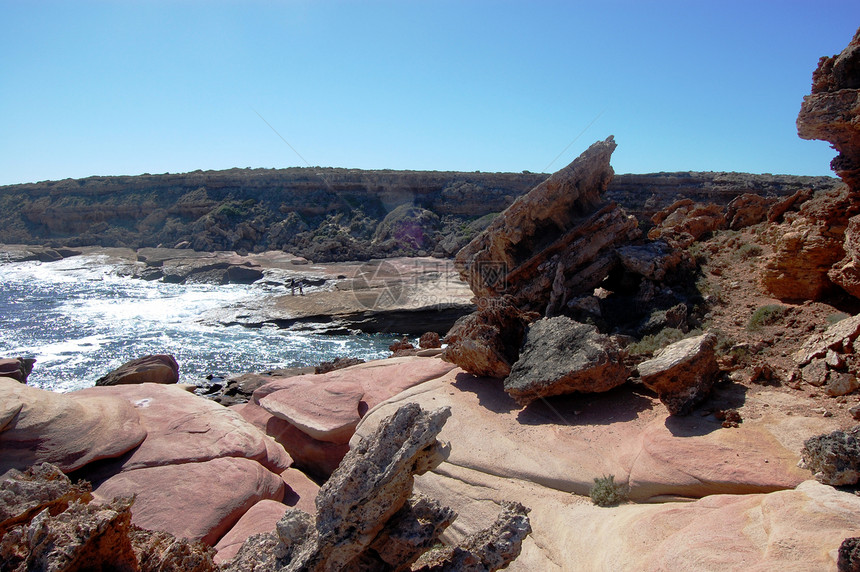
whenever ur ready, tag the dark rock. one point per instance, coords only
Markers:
(683, 373)
(849, 555)
(148, 369)
(16, 368)
(487, 343)
(429, 340)
(562, 356)
(653, 260)
(834, 458)
(337, 363)
(243, 274)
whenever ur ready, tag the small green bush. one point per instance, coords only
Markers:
(606, 492)
(651, 343)
(749, 250)
(766, 316)
(837, 317)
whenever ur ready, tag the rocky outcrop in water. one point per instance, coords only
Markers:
(148, 369)
(16, 368)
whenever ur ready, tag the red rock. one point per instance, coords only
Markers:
(148, 369)
(262, 517)
(183, 427)
(302, 491)
(317, 458)
(684, 222)
(429, 340)
(748, 209)
(197, 501)
(68, 431)
(326, 411)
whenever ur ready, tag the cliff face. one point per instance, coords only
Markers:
(324, 214)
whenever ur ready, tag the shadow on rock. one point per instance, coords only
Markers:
(490, 394)
(725, 396)
(617, 405)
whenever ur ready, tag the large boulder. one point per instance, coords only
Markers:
(182, 427)
(834, 458)
(562, 356)
(148, 369)
(683, 373)
(70, 431)
(487, 342)
(196, 501)
(832, 110)
(554, 243)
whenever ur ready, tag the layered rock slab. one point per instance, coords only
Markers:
(553, 242)
(39, 426)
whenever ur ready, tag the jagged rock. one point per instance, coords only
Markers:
(429, 340)
(832, 110)
(562, 356)
(682, 375)
(69, 431)
(747, 210)
(839, 338)
(148, 369)
(41, 487)
(684, 222)
(652, 260)
(372, 483)
(16, 368)
(834, 458)
(840, 383)
(487, 550)
(849, 555)
(83, 537)
(846, 272)
(487, 342)
(554, 243)
(158, 551)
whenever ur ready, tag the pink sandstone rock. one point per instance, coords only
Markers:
(198, 501)
(302, 490)
(183, 427)
(43, 426)
(325, 411)
(262, 517)
(147, 369)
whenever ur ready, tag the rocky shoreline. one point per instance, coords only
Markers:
(677, 395)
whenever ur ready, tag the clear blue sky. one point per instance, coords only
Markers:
(108, 88)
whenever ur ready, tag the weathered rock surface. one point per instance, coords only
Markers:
(16, 368)
(653, 260)
(831, 111)
(553, 243)
(487, 342)
(148, 369)
(682, 375)
(182, 427)
(53, 526)
(262, 517)
(846, 272)
(429, 340)
(562, 356)
(828, 359)
(747, 210)
(39, 426)
(195, 500)
(541, 454)
(849, 555)
(25, 494)
(834, 458)
(685, 221)
(371, 383)
(366, 518)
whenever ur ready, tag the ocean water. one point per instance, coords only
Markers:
(80, 318)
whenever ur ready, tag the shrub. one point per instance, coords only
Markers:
(837, 317)
(651, 343)
(749, 250)
(606, 492)
(766, 316)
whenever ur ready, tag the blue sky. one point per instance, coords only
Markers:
(109, 88)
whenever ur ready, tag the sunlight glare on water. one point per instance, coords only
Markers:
(80, 320)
